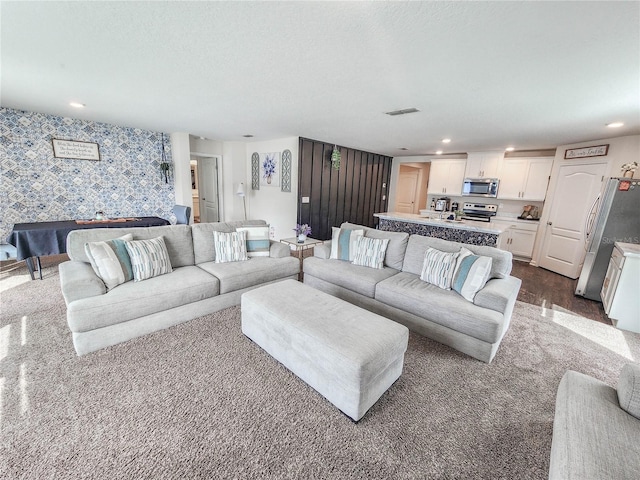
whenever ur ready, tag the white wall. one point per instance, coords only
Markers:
(279, 209)
(234, 171)
(181, 168)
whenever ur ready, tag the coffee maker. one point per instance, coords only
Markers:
(442, 204)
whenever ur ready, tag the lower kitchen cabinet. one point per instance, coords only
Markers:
(519, 239)
(621, 287)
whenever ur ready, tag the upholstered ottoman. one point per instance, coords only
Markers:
(349, 355)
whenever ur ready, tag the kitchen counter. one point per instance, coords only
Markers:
(464, 231)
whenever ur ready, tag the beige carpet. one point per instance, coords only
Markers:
(202, 401)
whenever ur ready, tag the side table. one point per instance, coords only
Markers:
(300, 247)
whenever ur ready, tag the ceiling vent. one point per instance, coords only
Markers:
(403, 111)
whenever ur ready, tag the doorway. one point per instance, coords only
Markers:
(411, 193)
(574, 203)
(205, 188)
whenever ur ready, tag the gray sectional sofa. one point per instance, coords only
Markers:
(596, 429)
(197, 285)
(397, 292)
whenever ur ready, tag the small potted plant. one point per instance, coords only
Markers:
(628, 169)
(302, 231)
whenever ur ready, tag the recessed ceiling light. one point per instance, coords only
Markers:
(615, 124)
(77, 105)
(403, 148)
(509, 149)
(247, 135)
(439, 152)
(446, 140)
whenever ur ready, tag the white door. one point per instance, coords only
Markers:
(575, 192)
(208, 189)
(408, 184)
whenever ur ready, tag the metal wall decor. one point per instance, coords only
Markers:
(285, 170)
(255, 171)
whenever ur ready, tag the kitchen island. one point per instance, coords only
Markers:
(463, 231)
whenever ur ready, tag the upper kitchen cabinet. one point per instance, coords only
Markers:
(483, 164)
(524, 178)
(446, 176)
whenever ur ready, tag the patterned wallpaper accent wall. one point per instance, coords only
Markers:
(35, 186)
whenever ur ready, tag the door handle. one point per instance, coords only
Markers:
(549, 223)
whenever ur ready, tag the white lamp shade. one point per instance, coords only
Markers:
(240, 190)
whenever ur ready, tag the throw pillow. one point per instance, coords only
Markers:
(257, 240)
(438, 268)
(230, 247)
(343, 242)
(149, 258)
(110, 260)
(369, 252)
(472, 273)
(629, 389)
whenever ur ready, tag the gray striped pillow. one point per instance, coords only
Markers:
(370, 251)
(149, 258)
(230, 247)
(438, 268)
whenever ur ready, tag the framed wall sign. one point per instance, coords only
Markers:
(595, 151)
(75, 149)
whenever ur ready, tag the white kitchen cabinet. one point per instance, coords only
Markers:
(524, 178)
(519, 239)
(483, 164)
(621, 285)
(446, 177)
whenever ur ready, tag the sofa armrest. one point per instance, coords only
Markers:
(322, 250)
(499, 294)
(78, 280)
(279, 250)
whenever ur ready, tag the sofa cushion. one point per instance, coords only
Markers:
(177, 239)
(258, 243)
(394, 255)
(358, 279)
(110, 260)
(203, 237)
(136, 299)
(343, 243)
(501, 260)
(438, 268)
(230, 247)
(629, 389)
(472, 273)
(149, 258)
(370, 252)
(238, 275)
(407, 292)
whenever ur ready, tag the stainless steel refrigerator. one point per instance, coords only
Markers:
(616, 220)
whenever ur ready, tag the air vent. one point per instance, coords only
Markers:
(403, 111)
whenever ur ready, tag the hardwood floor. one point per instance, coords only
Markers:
(545, 288)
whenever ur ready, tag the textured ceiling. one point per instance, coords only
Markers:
(487, 74)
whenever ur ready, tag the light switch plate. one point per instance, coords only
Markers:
(305, 199)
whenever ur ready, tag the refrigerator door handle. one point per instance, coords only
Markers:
(589, 221)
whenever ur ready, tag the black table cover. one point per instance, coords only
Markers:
(50, 238)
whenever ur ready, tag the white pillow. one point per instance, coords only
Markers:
(472, 273)
(149, 258)
(369, 252)
(343, 243)
(438, 268)
(110, 260)
(230, 247)
(258, 243)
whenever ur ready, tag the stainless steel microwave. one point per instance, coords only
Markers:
(480, 187)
